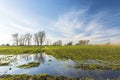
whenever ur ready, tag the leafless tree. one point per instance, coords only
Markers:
(69, 43)
(41, 37)
(36, 40)
(83, 42)
(15, 37)
(28, 38)
(58, 43)
(22, 40)
(48, 42)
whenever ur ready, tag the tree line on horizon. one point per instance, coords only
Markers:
(39, 38)
(25, 39)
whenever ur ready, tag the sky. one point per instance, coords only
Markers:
(66, 20)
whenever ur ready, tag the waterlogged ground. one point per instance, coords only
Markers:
(11, 64)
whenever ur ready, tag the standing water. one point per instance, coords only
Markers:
(50, 65)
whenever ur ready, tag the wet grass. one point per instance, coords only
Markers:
(38, 77)
(19, 49)
(29, 65)
(4, 64)
(97, 67)
(107, 55)
(44, 77)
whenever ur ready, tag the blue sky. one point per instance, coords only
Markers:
(66, 20)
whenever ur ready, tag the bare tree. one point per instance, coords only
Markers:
(36, 40)
(48, 42)
(83, 42)
(25, 39)
(41, 37)
(7, 44)
(69, 43)
(28, 38)
(15, 37)
(58, 43)
(22, 40)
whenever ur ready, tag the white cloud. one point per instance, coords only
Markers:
(74, 27)
(12, 22)
(22, 27)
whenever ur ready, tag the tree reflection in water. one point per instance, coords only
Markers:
(24, 58)
(39, 58)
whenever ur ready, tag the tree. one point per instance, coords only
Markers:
(15, 37)
(7, 44)
(69, 43)
(36, 39)
(22, 40)
(57, 43)
(39, 37)
(54, 43)
(83, 42)
(48, 42)
(28, 38)
(3, 44)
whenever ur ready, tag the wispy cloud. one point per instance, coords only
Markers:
(12, 18)
(11, 22)
(74, 25)
(77, 25)
(21, 27)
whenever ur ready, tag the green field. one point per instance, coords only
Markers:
(20, 49)
(106, 53)
(109, 56)
(37, 77)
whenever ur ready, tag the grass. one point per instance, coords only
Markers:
(44, 77)
(29, 65)
(97, 67)
(38, 77)
(20, 49)
(108, 55)
(105, 53)
(4, 64)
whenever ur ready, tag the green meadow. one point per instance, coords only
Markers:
(38, 77)
(19, 49)
(108, 58)
(105, 53)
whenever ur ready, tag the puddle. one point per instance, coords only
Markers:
(50, 65)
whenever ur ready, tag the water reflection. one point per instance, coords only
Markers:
(50, 65)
